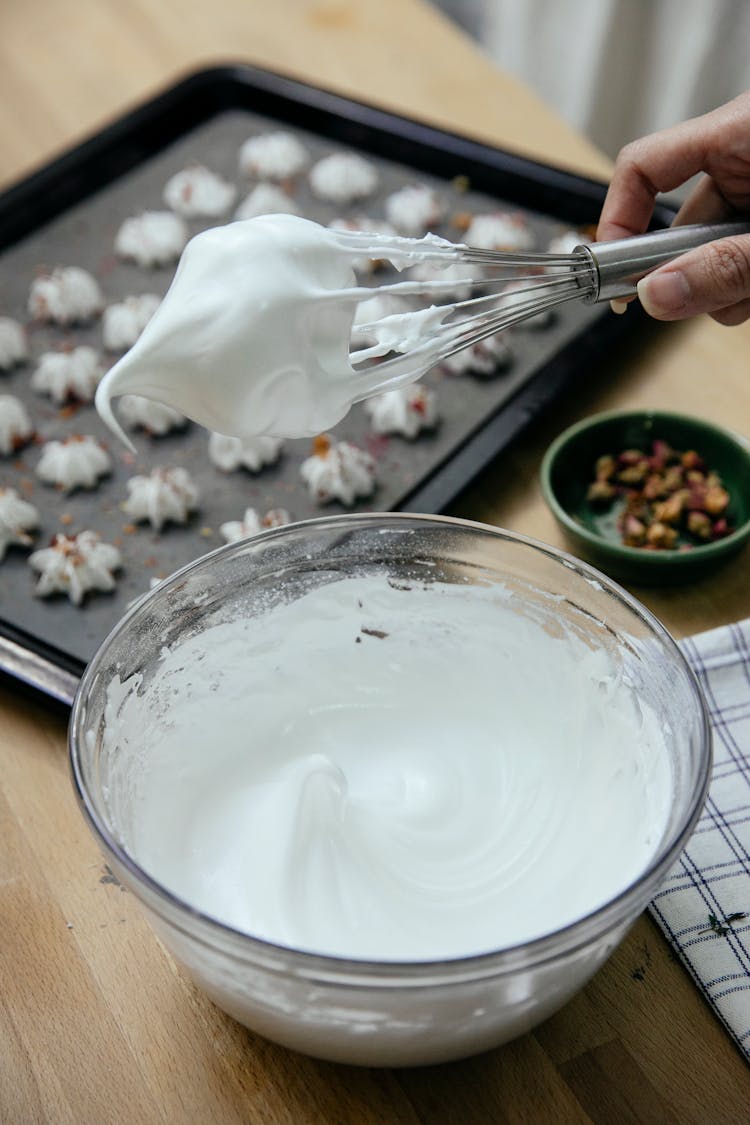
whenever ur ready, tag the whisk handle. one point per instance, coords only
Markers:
(617, 266)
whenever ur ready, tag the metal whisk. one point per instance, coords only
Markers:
(423, 337)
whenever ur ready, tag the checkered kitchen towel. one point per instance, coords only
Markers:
(704, 905)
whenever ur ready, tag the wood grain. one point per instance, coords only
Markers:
(96, 1022)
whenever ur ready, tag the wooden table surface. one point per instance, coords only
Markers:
(96, 1022)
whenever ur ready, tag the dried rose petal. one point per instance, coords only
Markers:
(633, 531)
(601, 492)
(692, 460)
(631, 457)
(717, 500)
(633, 474)
(605, 467)
(661, 535)
(699, 524)
(670, 510)
(661, 452)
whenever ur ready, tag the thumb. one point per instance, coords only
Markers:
(714, 277)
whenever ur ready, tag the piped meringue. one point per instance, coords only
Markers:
(16, 427)
(338, 471)
(273, 156)
(14, 347)
(343, 177)
(414, 209)
(253, 453)
(74, 565)
(68, 295)
(78, 461)
(488, 357)
(501, 230)
(567, 241)
(197, 192)
(406, 411)
(68, 375)
(155, 238)
(164, 496)
(251, 523)
(266, 199)
(122, 323)
(17, 519)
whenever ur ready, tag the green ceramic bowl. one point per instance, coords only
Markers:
(567, 469)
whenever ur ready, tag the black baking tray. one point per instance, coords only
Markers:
(147, 130)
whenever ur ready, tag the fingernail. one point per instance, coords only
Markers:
(664, 293)
(618, 307)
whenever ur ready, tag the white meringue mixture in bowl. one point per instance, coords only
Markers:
(390, 787)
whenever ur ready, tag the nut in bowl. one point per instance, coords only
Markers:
(650, 497)
(391, 788)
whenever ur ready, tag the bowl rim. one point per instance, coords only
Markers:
(648, 559)
(337, 970)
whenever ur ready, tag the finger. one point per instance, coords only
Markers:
(667, 159)
(644, 169)
(705, 204)
(661, 162)
(734, 315)
(710, 279)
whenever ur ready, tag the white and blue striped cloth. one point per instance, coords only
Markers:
(711, 882)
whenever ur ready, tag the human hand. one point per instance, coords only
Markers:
(716, 277)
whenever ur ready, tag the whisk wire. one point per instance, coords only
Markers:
(471, 306)
(507, 318)
(597, 273)
(449, 339)
(478, 257)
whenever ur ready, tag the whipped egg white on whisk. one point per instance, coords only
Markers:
(254, 333)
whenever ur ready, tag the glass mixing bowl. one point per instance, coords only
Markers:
(386, 1013)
